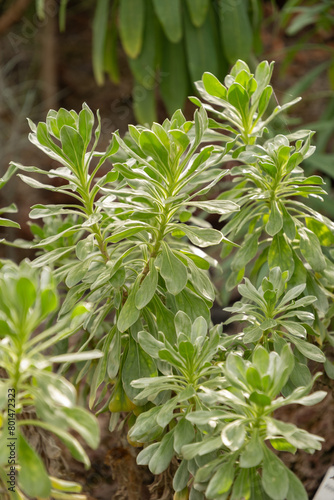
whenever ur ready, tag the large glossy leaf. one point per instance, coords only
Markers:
(236, 30)
(202, 48)
(198, 10)
(169, 15)
(143, 66)
(131, 26)
(111, 64)
(174, 80)
(100, 26)
(144, 105)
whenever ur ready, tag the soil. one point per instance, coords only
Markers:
(114, 473)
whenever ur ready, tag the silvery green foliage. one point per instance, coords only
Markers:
(28, 299)
(131, 244)
(274, 227)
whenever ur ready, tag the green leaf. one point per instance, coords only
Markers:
(143, 67)
(64, 117)
(76, 357)
(198, 10)
(236, 30)
(238, 97)
(275, 480)
(202, 48)
(152, 146)
(282, 444)
(165, 319)
(233, 435)
(289, 226)
(184, 433)
(150, 344)
(100, 28)
(241, 486)
(129, 230)
(296, 489)
(264, 100)
(8, 223)
(181, 476)
(114, 354)
(8, 174)
(146, 454)
(163, 455)
(260, 359)
(221, 481)
(200, 236)
(260, 399)
(174, 84)
(60, 390)
(33, 478)
(309, 350)
(86, 123)
(131, 26)
(45, 141)
(246, 253)
(65, 486)
(192, 304)
(39, 211)
(324, 234)
(183, 324)
(311, 249)
(137, 365)
(144, 105)
(70, 442)
(208, 445)
(129, 313)
(213, 86)
(252, 454)
(147, 288)
(85, 424)
(26, 295)
(201, 282)
(280, 254)
(173, 271)
(73, 147)
(187, 351)
(166, 413)
(169, 15)
(275, 221)
(221, 207)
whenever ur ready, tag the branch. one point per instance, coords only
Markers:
(13, 14)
